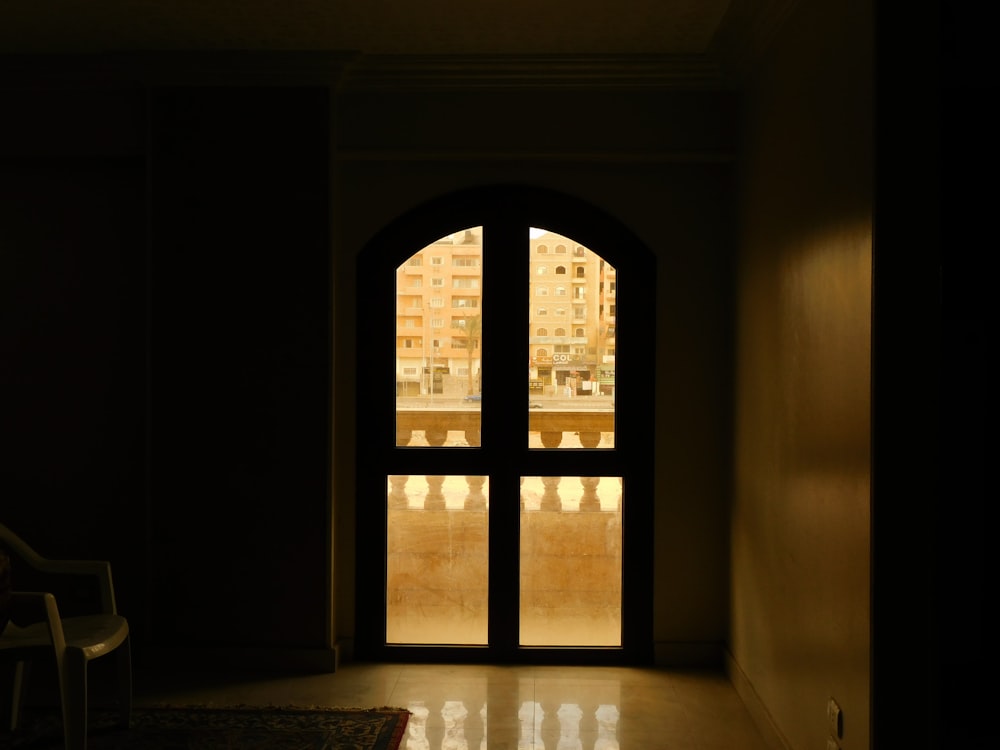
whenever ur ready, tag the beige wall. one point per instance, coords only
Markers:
(799, 626)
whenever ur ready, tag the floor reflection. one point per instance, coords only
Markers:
(570, 727)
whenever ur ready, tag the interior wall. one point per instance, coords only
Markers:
(179, 346)
(166, 346)
(72, 326)
(240, 315)
(801, 543)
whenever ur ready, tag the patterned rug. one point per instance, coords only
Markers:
(233, 728)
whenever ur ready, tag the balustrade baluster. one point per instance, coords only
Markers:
(550, 497)
(590, 439)
(475, 500)
(590, 501)
(550, 439)
(435, 497)
(436, 436)
(397, 495)
(403, 437)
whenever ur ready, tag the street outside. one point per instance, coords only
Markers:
(555, 403)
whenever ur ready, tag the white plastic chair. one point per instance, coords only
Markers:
(37, 632)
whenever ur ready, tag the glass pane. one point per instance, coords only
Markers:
(437, 559)
(439, 342)
(571, 561)
(571, 344)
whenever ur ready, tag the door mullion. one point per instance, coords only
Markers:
(505, 416)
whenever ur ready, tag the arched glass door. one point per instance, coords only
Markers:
(506, 448)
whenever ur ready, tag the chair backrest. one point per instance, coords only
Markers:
(17, 546)
(5, 586)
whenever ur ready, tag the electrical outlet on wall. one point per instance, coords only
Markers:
(835, 719)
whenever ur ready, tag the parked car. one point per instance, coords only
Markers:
(474, 397)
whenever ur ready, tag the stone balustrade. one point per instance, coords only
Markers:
(590, 426)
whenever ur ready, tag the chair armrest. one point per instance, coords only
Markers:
(30, 607)
(99, 568)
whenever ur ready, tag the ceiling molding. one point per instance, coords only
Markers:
(169, 68)
(351, 154)
(436, 72)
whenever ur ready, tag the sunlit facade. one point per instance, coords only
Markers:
(438, 296)
(571, 318)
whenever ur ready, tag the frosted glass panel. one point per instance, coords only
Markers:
(571, 344)
(439, 343)
(571, 561)
(437, 559)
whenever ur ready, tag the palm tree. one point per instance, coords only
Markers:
(472, 328)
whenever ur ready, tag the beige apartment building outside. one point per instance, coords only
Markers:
(571, 319)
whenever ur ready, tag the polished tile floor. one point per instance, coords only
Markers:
(470, 707)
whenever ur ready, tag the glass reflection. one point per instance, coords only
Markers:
(567, 726)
